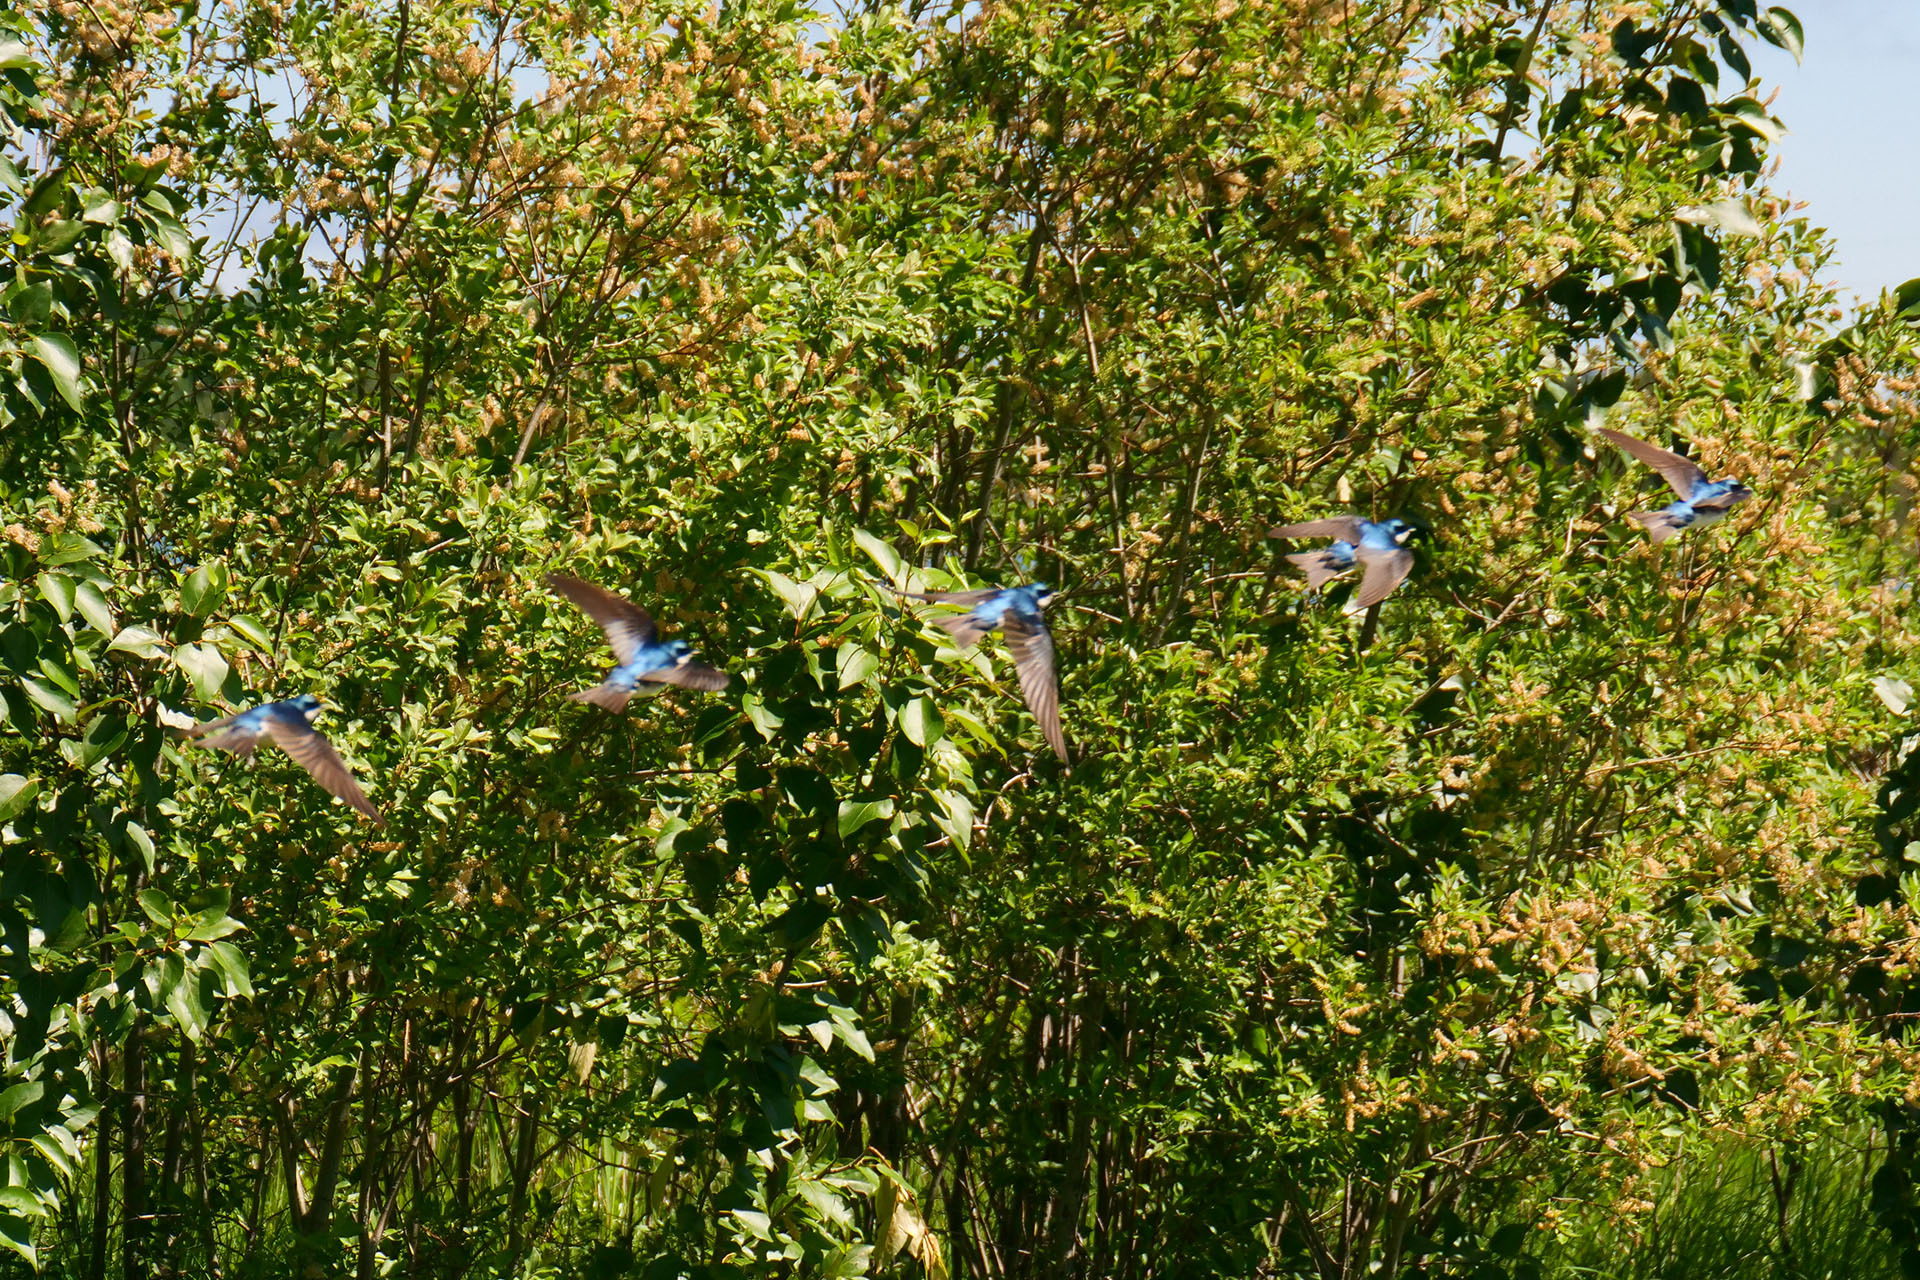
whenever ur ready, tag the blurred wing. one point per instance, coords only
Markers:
(1319, 569)
(1723, 502)
(317, 756)
(611, 697)
(1680, 473)
(1342, 528)
(627, 625)
(965, 628)
(1385, 571)
(1660, 525)
(1032, 648)
(223, 735)
(968, 598)
(691, 675)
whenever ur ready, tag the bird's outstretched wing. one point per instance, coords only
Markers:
(1340, 528)
(691, 675)
(1385, 571)
(628, 626)
(1683, 475)
(1032, 647)
(317, 756)
(222, 735)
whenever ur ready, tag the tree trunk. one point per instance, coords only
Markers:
(134, 1218)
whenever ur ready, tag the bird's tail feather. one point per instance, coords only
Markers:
(964, 628)
(604, 695)
(1318, 569)
(1660, 525)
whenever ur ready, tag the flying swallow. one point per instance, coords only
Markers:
(1016, 613)
(290, 725)
(643, 657)
(1381, 548)
(1701, 501)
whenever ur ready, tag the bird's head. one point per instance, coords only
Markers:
(679, 650)
(1041, 592)
(307, 705)
(1405, 531)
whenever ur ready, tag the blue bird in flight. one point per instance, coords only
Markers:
(1016, 613)
(1380, 547)
(1700, 500)
(643, 656)
(289, 724)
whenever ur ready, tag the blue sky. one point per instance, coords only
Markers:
(1853, 153)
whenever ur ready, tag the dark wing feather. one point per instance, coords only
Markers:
(1340, 528)
(1032, 647)
(1682, 475)
(691, 675)
(1385, 571)
(221, 735)
(627, 625)
(317, 756)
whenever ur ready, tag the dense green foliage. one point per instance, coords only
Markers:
(1429, 944)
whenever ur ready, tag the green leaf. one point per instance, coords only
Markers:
(855, 814)
(62, 360)
(48, 698)
(231, 964)
(68, 548)
(204, 667)
(182, 993)
(849, 1031)
(172, 237)
(920, 721)
(955, 817)
(59, 235)
(1896, 693)
(141, 642)
(57, 590)
(15, 56)
(157, 906)
(253, 630)
(854, 665)
(16, 1233)
(204, 588)
(213, 922)
(757, 1224)
(87, 598)
(99, 207)
(142, 844)
(1731, 216)
(16, 793)
(24, 1094)
(884, 556)
(1751, 115)
(1779, 27)
(763, 719)
(799, 597)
